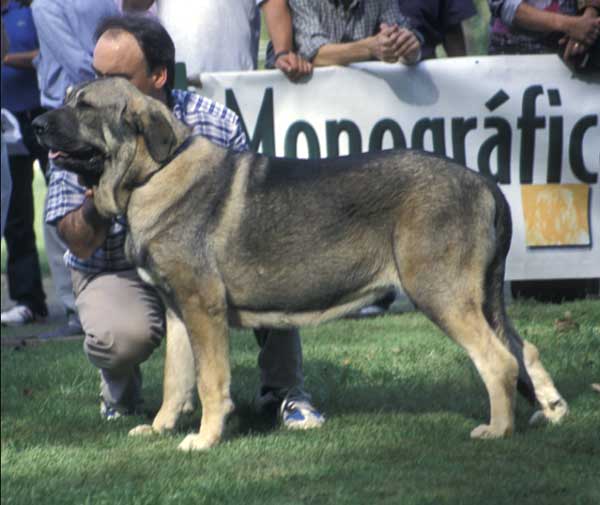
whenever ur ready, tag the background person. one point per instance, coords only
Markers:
(339, 32)
(224, 35)
(542, 26)
(5, 181)
(440, 22)
(66, 37)
(140, 50)
(21, 96)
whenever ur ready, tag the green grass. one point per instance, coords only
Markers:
(400, 400)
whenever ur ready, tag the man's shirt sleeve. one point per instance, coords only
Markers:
(506, 10)
(309, 32)
(58, 38)
(65, 194)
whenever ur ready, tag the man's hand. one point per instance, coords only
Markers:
(393, 44)
(293, 66)
(573, 49)
(588, 25)
(584, 29)
(84, 229)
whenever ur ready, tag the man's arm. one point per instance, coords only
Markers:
(137, 5)
(21, 60)
(4, 43)
(391, 44)
(279, 25)
(84, 230)
(584, 29)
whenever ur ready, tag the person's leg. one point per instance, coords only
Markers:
(282, 378)
(22, 266)
(6, 183)
(124, 322)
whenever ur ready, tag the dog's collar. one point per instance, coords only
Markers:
(182, 147)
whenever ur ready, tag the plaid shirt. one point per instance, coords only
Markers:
(320, 22)
(204, 116)
(505, 38)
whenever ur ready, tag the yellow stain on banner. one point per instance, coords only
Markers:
(556, 214)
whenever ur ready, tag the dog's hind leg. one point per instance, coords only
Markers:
(453, 301)
(534, 382)
(498, 368)
(204, 312)
(553, 405)
(179, 380)
(443, 272)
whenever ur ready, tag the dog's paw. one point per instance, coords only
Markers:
(142, 430)
(554, 414)
(487, 431)
(195, 442)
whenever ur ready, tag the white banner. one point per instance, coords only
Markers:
(526, 120)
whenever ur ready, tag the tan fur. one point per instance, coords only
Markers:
(251, 241)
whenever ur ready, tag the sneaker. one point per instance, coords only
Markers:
(108, 412)
(112, 413)
(19, 315)
(371, 311)
(299, 414)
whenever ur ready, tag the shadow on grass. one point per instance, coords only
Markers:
(338, 390)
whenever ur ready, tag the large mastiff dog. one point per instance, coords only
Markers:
(243, 239)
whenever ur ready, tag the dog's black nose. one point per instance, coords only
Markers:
(40, 125)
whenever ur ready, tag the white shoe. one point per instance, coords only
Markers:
(300, 415)
(19, 315)
(370, 311)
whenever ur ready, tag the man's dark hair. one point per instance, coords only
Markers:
(154, 40)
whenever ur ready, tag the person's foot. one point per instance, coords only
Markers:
(295, 410)
(371, 311)
(112, 412)
(300, 415)
(20, 315)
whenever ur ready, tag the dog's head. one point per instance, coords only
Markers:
(112, 136)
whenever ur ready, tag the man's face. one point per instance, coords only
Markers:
(119, 54)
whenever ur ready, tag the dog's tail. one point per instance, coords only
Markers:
(494, 306)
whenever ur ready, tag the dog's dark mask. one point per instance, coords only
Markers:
(54, 131)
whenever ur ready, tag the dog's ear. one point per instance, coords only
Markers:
(162, 132)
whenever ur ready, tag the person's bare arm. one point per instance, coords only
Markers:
(137, 5)
(345, 52)
(21, 60)
(4, 44)
(279, 25)
(390, 45)
(454, 41)
(84, 230)
(583, 29)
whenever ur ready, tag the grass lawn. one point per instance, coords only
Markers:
(400, 399)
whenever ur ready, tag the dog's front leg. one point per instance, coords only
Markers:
(206, 321)
(179, 380)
